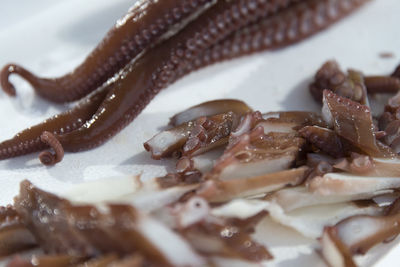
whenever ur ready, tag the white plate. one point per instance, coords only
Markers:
(51, 37)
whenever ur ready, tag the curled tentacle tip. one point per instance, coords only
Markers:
(46, 157)
(5, 73)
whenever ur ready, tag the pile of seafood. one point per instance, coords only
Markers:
(331, 176)
(155, 44)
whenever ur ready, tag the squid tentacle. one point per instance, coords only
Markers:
(144, 25)
(157, 69)
(29, 140)
(225, 24)
(46, 157)
(288, 27)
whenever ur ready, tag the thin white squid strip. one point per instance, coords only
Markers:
(277, 127)
(298, 197)
(205, 162)
(268, 165)
(221, 191)
(163, 237)
(385, 168)
(348, 184)
(146, 196)
(309, 221)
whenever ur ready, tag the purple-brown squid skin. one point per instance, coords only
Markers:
(353, 122)
(324, 139)
(143, 26)
(161, 65)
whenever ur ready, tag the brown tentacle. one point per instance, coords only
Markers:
(285, 28)
(28, 141)
(9, 69)
(382, 84)
(46, 157)
(396, 72)
(142, 27)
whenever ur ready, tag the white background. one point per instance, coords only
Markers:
(51, 37)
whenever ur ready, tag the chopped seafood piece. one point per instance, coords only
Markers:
(356, 235)
(193, 137)
(145, 196)
(253, 154)
(299, 197)
(309, 221)
(225, 190)
(353, 122)
(210, 108)
(88, 231)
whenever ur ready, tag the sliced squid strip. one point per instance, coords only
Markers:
(241, 208)
(14, 236)
(225, 240)
(348, 184)
(356, 235)
(205, 162)
(353, 122)
(195, 210)
(85, 230)
(210, 108)
(360, 233)
(334, 252)
(194, 137)
(246, 125)
(165, 143)
(273, 126)
(309, 221)
(221, 191)
(146, 196)
(385, 168)
(221, 261)
(300, 118)
(277, 163)
(162, 237)
(299, 197)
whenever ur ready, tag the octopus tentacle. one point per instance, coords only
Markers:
(46, 157)
(144, 25)
(292, 25)
(29, 140)
(157, 69)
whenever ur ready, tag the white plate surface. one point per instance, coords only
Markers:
(51, 37)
